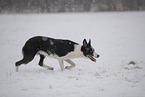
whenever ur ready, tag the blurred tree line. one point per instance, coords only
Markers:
(45, 6)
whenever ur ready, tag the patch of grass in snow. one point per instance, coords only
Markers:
(97, 74)
(132, 63)
(50, 87)
(135, 67)
(132, 80)
(71, 77)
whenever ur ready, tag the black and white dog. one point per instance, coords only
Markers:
(63, 50)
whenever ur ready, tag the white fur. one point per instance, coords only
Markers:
(42, 53)
(61, 64)
(70, 62)
(74, 54)
(45, 54)
(17, 68)
(95, 54)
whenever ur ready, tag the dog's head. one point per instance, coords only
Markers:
(89, 51)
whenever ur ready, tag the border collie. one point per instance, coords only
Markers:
(63, 50)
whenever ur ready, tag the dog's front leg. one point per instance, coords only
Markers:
(61, 64)
(70, 62)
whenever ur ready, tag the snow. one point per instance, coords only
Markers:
(117, 37)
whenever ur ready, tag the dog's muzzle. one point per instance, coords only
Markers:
(93, 57)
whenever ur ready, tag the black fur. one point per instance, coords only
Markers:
(57, 47)
(87, 48)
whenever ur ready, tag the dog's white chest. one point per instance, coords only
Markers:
(74, 54)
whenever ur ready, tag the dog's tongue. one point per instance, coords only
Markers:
(92, 58)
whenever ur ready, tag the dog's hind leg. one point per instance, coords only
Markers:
(25, 60)
(17, 64)
(61, 64)
(28, 55)
(43, 65)
(70, 62)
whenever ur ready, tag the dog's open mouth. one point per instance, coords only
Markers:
(91, 58)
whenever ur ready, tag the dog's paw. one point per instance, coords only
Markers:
(68, 67)
(17, 68)
(51, 68)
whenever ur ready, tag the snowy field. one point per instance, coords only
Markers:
(118, 37)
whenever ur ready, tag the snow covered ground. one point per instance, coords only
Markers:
(118, 37)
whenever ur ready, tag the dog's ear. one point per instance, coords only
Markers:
(89, 44)
(84, 43)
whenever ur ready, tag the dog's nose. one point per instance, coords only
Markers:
(98, 56)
